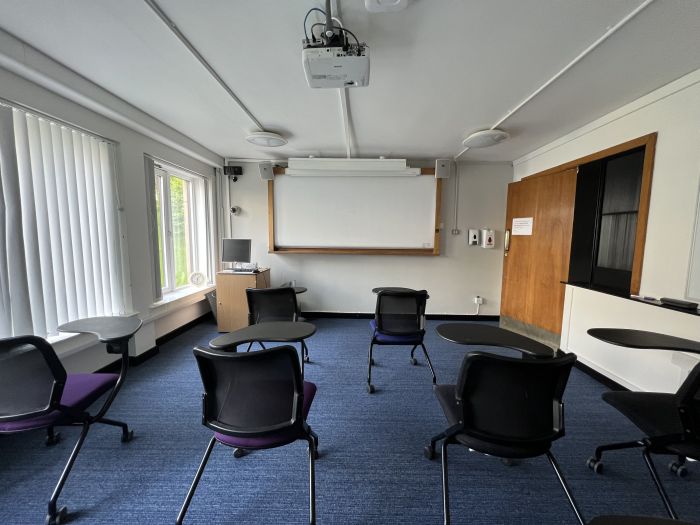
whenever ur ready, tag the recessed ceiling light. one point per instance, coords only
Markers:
(485, 138)
(266, 139)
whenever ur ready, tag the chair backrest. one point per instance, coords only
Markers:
(271, 304)
(688, 403)
(401, 313)
(513, 401)
(31, 378)
(251, 394)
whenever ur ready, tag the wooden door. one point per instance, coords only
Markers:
(535, 265)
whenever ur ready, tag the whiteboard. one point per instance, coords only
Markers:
(354, 212)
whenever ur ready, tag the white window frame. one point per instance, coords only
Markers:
(199, 232)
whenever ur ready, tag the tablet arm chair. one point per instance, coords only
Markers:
(399, 319)
(670, 422)
(255, 401)
(37, 393)
(273, 304)
(504, 407)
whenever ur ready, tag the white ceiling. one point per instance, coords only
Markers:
(439, 69)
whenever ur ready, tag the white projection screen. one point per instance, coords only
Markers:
(369, 214)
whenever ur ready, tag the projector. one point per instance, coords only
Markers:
(336, 66)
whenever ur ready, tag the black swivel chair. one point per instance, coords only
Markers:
(670, 422)
(255, 401)
(36, 393)
(504, 407)
(273, 304)
(399, 319)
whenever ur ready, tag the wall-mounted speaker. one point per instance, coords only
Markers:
(444, 168)
(266, 170)
(233, 170)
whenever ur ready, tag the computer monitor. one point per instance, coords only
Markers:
(235, 250)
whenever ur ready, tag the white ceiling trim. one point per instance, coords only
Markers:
(345, 116)
(31, 64)
(611, 30)
(176, 31)
(683, 83)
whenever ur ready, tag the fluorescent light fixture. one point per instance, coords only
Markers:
(266, 139)
(485, 138)
(320, 167)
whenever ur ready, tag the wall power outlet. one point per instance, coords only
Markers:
(478, 300)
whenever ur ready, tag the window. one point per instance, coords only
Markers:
(606, 221)
(181, 226)
(61, 254)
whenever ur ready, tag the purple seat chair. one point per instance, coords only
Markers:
(255, 401)
(399, 319)
(37, 393)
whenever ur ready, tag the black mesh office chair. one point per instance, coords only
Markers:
(399, 319)
(504, 407)
(255, 401)
(273, 304)
(670, 422)
(37, 393)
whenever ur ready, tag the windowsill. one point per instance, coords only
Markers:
(177, 299)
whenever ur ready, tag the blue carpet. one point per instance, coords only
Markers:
(371, 469)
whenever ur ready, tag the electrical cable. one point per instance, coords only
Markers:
(307, 17)
(353, 35)
(357, 41)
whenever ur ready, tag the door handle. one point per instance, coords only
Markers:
(506, 243)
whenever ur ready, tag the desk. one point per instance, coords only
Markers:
(115, 332)
(643, 339)
(274, 331)
(231, 301)
(487, 335)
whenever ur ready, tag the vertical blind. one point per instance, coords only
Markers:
(60, 256)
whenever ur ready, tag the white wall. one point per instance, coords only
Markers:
(674, 112)
(636, 369)
(343, 283)
(131, 147)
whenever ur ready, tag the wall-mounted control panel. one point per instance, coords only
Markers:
(488, 238)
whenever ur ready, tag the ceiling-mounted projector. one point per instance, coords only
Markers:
(330, 59)
(336, 67)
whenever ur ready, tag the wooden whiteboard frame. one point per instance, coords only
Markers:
(272, 248)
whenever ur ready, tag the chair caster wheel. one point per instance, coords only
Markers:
(429, 452)
(414, 361)
(239, 453)
(371, 362)
(370, 388)
(53, 439)
(127, 436)
(678, 469)
(595, 465)
(306, 359)
(59, 518)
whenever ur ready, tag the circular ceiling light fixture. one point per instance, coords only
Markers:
(266, 139)
(485, 138)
